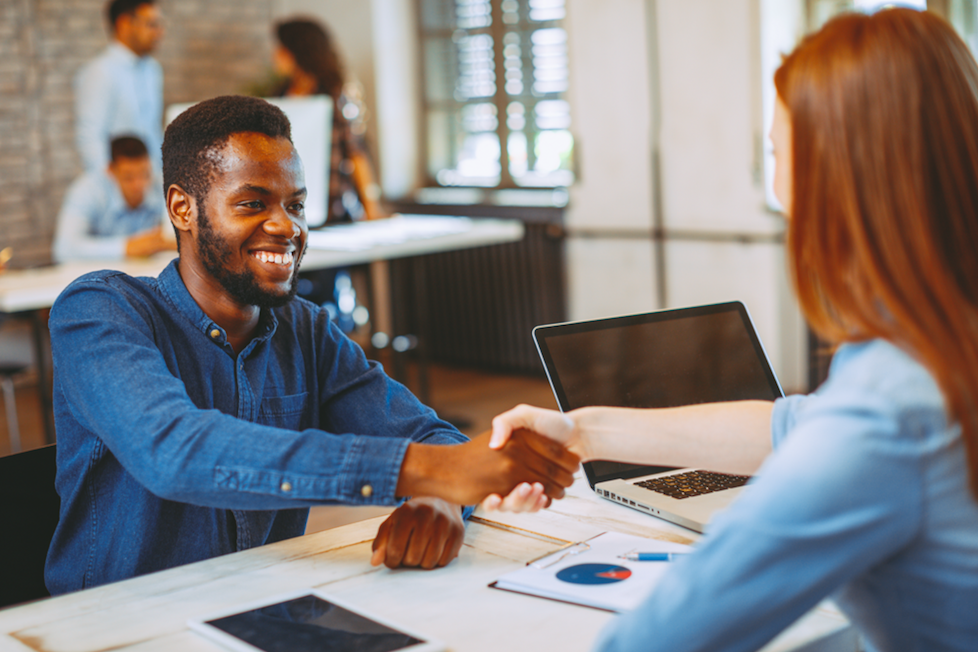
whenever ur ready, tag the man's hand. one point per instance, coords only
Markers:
(525, 498)
(423, 532)
(148, 243)
(467, 473)
(556, 426)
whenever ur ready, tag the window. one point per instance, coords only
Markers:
(495, 81)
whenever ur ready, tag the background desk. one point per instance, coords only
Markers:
(33, 290)
(454, 604)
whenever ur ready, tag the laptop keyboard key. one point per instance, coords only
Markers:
(693, 483)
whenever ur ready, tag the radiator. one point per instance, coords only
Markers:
(482, 303)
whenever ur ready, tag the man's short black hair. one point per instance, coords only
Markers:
(117, 8)
(127, 147)
(193, 139)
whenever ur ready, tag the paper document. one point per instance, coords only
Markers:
(594, 573)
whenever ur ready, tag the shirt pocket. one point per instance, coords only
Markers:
(289, 412)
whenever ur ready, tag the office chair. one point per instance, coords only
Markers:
(7, 373)
(29, 507)
(8, 370)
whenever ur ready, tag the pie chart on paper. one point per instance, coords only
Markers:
(594, 574)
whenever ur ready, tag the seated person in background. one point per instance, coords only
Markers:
(115, 212)
(204, 411)
(870, 495)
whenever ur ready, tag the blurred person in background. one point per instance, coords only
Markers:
(114, 212)
(305, 57)
(307, 61)
(121, 91)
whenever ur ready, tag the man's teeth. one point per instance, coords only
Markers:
(278, 259)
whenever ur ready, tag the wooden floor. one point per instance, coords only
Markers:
(466, 397)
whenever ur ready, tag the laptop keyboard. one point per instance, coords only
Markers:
(693, 483)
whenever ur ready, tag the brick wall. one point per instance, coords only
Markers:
(211, 47)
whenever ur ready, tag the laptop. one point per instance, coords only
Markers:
(666, 358)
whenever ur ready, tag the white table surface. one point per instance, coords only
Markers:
(453, 604)
(362, 242)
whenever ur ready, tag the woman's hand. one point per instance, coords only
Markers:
(527, 497)
(548, 423)
(465, 474)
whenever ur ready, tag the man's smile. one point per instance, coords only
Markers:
(273, 258)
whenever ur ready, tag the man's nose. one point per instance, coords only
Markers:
(282, 224)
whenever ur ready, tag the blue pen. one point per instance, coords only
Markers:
(652, 556)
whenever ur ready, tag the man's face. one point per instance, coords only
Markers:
(141, 30)
(251, 226)
(134, 176)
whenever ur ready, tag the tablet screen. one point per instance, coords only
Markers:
(311, 623)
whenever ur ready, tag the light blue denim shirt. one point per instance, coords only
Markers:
(174, 449)
(95, 221)
(118, 94)
(865, 499)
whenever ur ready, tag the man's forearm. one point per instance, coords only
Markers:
(421, 471)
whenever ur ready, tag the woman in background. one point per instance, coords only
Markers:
(306, 58)
(870, 496)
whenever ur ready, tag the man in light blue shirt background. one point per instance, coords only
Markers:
(121, 91)
(113, 212)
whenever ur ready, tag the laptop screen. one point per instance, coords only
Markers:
(668, 358)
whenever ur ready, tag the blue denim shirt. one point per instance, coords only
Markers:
(865, 499)
(174, 449)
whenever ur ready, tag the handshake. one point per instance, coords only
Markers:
(513, 461)
(513, 468)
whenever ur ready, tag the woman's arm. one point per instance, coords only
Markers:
(733, 437)
(366, 185)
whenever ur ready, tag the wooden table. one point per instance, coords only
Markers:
(32, 290)
(453, 604)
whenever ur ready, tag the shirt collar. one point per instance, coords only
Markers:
(172, 287)
(123, 53)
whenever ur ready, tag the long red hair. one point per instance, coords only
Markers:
(884, 231)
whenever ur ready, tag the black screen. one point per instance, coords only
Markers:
(662, 359)
(311, 623)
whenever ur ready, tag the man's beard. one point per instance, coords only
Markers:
(242, 286)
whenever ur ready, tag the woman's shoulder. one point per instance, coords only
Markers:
(878, 376)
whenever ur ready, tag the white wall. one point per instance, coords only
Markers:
(681, 77)
(609, 218)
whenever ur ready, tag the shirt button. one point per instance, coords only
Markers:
(366, 491)
(286, 486)
(215, 333)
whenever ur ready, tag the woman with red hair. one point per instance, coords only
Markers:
(870, 495)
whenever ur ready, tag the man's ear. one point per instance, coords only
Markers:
(182, 208)
(123, 27)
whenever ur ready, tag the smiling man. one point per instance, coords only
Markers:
(203, 411)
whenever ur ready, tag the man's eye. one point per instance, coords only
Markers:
(256, 205)
(298, 207)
